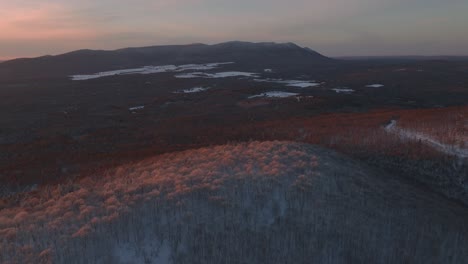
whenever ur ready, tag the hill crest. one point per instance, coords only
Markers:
(245, 54)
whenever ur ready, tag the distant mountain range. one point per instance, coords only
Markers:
(91, 61)
(406, 58)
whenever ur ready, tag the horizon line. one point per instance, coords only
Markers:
(5, 59)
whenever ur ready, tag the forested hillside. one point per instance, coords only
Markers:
(258, 202)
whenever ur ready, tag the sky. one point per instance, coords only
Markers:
(30, 28)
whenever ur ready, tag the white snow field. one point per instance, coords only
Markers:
(274, 94)
(150, 70)
(291, 83)
(193, 90)
(343, 90)
(136, 108)
(375, 85)
(216, 75)
(425, 139)
(257, 202)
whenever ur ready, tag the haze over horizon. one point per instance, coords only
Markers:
(333, 28)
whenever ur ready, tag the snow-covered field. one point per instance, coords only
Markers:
(425, 139)
(151, 250)
(291, 83)
(150, 70)
(274, 94)
(196, 71)
(193, 90)
(343, 90)
(136, 108)
(375, 85)
(216, 75)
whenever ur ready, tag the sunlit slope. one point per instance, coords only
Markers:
(258, 202)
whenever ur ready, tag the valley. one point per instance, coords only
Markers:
(217, 142)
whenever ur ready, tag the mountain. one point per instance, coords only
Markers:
(257, 202)
(265, 54)
(405, 58)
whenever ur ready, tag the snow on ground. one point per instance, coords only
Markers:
(343, 90)
(151, 251)
(304, 97)
(150, 70)
(302, 84)
(217, 64)
(216, 75)
(193, 90)
(274, 94)
(268, 70)
(202, 205)
(232, 74)
(201, 67)
(136, 108)
(190, 75)
(375, 85)
(427, 140)
(292, 83)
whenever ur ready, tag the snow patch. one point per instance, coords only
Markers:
(216, 75)
(149, 251)
(427, 140)
(303, 84)
(193, 90)
(136, 108)
(375, 85)
(201, 67)
(291, 83)
(300, 98)
(274, 94)
(190, 75)
(232, 74)
(149, 70)
(343, 90)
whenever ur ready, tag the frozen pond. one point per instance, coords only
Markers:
(274, 94)
(291, 83)
(216, 75)
(193, 90)
(375, 85)
(136, 108)
(150, 70)
(343, 90)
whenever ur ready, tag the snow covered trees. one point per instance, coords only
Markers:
(258, 202)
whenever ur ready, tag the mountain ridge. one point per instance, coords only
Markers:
(89, 61)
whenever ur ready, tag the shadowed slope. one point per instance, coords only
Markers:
(259, 202)
(244, 54)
